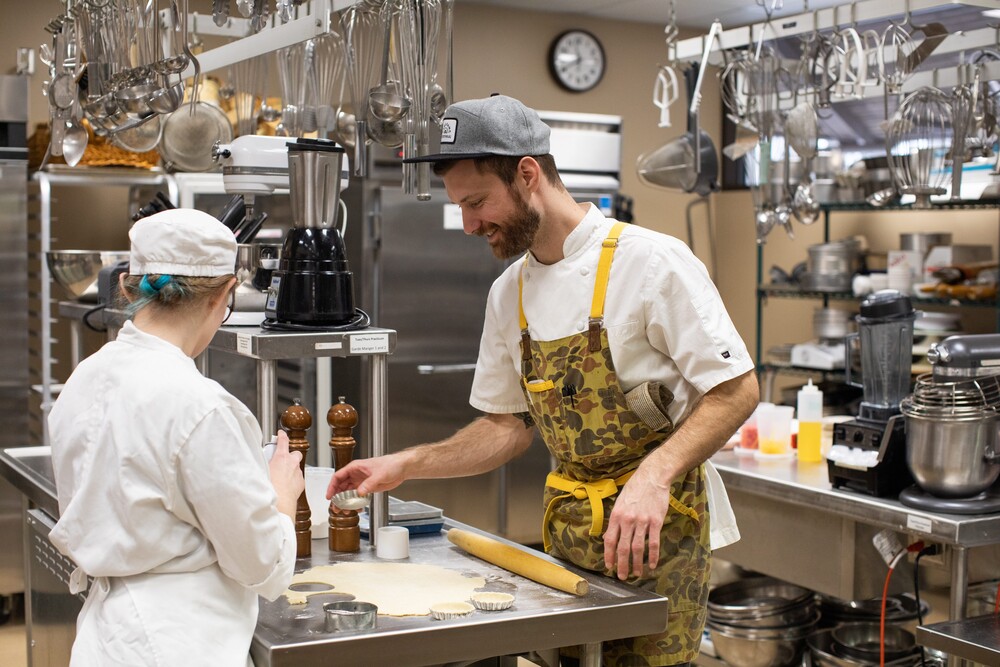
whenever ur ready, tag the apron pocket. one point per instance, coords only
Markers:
(547, 412)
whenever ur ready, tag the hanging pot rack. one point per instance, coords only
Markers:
(821, 20)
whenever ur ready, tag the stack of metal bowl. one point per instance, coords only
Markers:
(859, 645)
(761, 622)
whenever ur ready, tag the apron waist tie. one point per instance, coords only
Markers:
(595, 491)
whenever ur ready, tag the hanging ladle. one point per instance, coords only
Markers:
(384, 99)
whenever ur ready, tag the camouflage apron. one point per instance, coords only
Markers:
(580, 409)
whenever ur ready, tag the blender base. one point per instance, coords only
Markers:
(890, 475)
(356, 323)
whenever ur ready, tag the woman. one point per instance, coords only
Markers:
(165, 498)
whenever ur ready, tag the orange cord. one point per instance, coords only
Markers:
(881, 626)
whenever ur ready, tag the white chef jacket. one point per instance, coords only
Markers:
(664, 317)
(164, 498)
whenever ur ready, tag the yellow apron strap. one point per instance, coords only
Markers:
(608, 247)
(520, 295)
(594, 491)
(522, 320)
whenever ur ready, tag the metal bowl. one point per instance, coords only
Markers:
(76, 270)
(821, 651)
(778, 647)
(861, 641)
(757, 598)
(950, 457)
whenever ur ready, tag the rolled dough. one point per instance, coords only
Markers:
(397, 589)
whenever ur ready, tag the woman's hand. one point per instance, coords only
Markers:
(286, 476)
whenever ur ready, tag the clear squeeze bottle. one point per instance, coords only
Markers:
(810, 414)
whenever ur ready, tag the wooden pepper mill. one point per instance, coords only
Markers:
(345, 535)
(296, 420)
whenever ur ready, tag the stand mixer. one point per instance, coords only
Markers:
(953, 428)
(312, 286)
(869, 453)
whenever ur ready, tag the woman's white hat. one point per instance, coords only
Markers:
(181, 242)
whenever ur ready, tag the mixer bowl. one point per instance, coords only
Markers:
(952, 457)
(76, 271)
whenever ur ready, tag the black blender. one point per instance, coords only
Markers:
(313, 287)
(869, 453)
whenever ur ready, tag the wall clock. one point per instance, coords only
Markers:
(576, 60)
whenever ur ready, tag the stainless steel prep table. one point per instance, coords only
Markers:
(541, 618)
(763, 491)
(976, 639)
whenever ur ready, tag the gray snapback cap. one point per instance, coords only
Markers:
(496, 125)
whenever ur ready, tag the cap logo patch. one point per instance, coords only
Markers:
(448, 130)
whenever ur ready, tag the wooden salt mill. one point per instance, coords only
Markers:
(296, 420)
(345, 535)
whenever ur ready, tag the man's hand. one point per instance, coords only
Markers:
(368, 476)
(638, 515)
(286, 476)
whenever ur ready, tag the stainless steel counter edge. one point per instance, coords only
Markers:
(452, 641)
(976, 639)
(542, 618)
(807, 484)
(25, 468)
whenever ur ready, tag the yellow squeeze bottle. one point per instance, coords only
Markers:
(810, 414)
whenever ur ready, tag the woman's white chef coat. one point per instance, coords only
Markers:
(664, 316)
(164, 498)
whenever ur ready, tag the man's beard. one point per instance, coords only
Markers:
(519, 232)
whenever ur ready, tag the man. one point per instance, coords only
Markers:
(614, 343)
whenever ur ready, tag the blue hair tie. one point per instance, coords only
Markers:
(153, 287)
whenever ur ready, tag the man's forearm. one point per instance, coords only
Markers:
(718, 415)
(481, 446)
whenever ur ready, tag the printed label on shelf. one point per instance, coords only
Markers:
(369, 343)
(243, 344)
(919, 523)
(335, 345)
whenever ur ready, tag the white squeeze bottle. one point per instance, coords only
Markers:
(810, 414)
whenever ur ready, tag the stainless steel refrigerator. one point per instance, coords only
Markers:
(416, 271)
(14, 349)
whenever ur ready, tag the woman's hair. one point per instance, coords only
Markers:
(168, 293)
(505, 166)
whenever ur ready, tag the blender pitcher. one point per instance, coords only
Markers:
(885, 330)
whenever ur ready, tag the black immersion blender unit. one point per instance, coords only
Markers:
(875, 462)
(313, 287)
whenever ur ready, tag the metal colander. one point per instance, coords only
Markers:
(188, 137)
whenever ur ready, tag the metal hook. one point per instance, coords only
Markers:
(906, 16)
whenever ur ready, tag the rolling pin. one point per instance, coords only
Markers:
(518, 561)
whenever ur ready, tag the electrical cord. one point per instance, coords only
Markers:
(881, 625)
